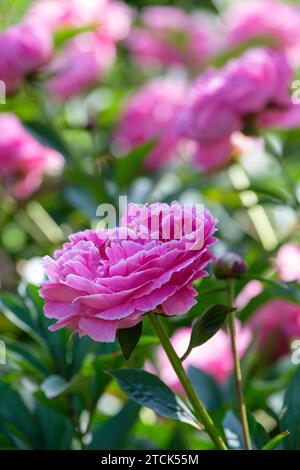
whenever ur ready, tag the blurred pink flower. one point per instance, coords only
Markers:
(150, 51)
(152, 113)
(248, 91)
(23, 160)
(275, 325)
(275, 20)
(101, 281)
(80, 65)
(24, 48)
(249, 292)
(213, 357)
(288, 262)
(171, 36)
(111, 18)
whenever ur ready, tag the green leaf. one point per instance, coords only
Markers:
(80, 199)
(291, 414)
(275, 441)
(17, 312)
(55, 429)
(234, 432)
(50, 136)
(210, 5)
(14, 415)
(259, 435)
(207, 325)
(56, 344)
(54, 385)
(148, 390)
(129, 166)
(63, 35)
(114, 432)
(265, 280)
(27, 357)
(274, 193)
(206, 388)
(129, 338)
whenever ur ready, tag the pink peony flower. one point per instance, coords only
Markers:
(213, 357)
(275, 20)
(24, 48)
(80, 65)
(152, 114)
(288, 262)
(171, 36)
(249, 91)
(275, 325)
(111, 18)
(23, 160)
(150, 51)
(105, 280)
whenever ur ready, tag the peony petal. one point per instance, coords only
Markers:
(181, 302)
(99, 330)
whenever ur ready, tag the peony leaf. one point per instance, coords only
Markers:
(275, 441)
(206, 388)
(290, 419)
(148, 390)
(54, 385)
(207, 325)
(112, 434)
(129, 166)
(129, 338)
(234, 432)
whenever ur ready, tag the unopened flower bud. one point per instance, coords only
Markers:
(229, 266)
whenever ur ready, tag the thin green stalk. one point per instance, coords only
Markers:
(237, 367)
(199, 410)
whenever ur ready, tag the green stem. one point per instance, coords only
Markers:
(199, 410)
(237, 367)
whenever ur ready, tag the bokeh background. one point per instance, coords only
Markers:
(67, 145)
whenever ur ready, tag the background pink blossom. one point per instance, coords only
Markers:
(269, 19)
(151, 114)
(213, 357)
(80, 65)
(23, 160)
(24, 48)
(288, 262)
(170, 36)
(250, 90)
(275, 325)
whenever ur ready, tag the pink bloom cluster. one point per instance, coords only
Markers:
(102, 280)
(85, 58)
(288, 262)
(213, 357)
(170, 36)
(275, 325)
(24, 48)
(152, 114)
(111, 18)
(23, 160)
(80, 65)
(273, 20)
(249, 91)
(28, 45)
(277, 322)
